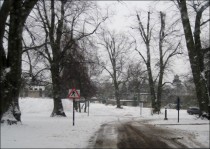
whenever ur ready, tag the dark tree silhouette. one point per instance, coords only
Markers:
(195, 51)
(18, 12)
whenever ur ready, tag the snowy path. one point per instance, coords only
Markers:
(39, 130)
(137, 134)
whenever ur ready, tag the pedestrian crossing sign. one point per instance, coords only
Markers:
(74, 94)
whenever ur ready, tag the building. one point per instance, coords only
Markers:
(36, 91)
(32, 87)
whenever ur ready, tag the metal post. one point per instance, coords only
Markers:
(79, 107)
(209, 112)
(141, 106)
(178, 116)
(165, 114)
(88, 106)
(178, 106)
(209, 108)
(73, 110)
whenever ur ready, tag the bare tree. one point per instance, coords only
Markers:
(17, 12)
(116, 46)
(64, 24)
(167, 49)
(76, 72)
(137, 79)
(195, 52)
(164, 55)
(146, 36)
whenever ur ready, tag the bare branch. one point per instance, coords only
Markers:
(173, 53)
(167, 83)
(203, 23)
(141, 56)
(34, 47)
(88, 34)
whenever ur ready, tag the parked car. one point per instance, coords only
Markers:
(193, 110)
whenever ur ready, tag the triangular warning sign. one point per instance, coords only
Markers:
(74, 94)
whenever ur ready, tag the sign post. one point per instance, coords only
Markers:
(178, 107)
(88, 106)
(165, 114)
(74, 94)
(73, 110)
(141, 106)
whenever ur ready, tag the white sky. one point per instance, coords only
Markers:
(121, 21)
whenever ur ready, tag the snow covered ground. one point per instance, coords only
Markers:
(39, 130)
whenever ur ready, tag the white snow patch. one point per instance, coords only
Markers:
(8, 115)
(7, 70)
(39, 130)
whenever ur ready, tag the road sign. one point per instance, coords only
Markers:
(74, 94)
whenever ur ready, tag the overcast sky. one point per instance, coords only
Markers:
(121, 21)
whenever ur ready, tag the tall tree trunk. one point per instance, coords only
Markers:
(151, 82)
(11, 65)
(152, 88)
(149, 69)
(161, 65)
(58, 107)
(116, 85)
(55, 63)
(146, 36)
(159, 89)
(13, 77)
(195, 59)
(117, 94)
(4, 11)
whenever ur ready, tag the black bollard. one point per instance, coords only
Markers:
(165, 114)
(178, 107)
(209, 112)
(209, 108)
